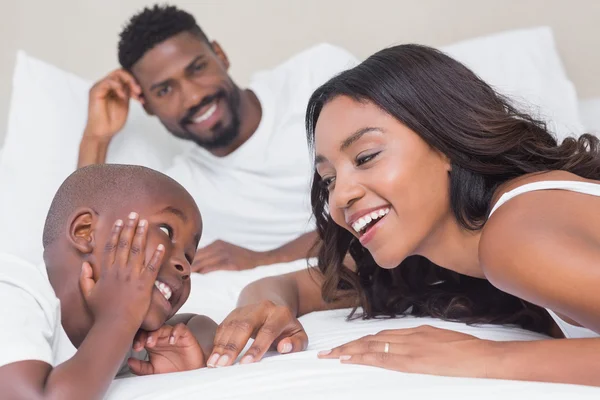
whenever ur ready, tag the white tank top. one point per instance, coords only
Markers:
(570, 331)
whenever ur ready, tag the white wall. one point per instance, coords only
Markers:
(81, 35)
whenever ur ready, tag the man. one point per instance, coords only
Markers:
(250, 169)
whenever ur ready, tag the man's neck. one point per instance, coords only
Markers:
(250, 116)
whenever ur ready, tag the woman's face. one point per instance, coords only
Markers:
(386, 185)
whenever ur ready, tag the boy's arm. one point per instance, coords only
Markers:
(87, 375)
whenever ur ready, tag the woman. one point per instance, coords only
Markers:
(419, 162)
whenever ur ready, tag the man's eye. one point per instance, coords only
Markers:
(163, 91)
(167, 230)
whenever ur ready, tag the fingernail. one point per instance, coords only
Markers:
(149, 340)
(172, 340)
(345, 358)
(161, 247)
(212, 361)
(286, 348)
(324, 352)
(143, 223)
(119, 222)
(133, 215)
(223, 361)
(247, 360)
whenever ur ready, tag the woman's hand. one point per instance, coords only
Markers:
(271, 325)
(424, 350)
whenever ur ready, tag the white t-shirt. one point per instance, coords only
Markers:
(30, 312)
(258, 197)
(31, 315)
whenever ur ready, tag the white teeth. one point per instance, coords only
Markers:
(164, 289)
(207, 114)
(362, 222)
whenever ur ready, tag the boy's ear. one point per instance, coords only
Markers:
(216, 47)
(81, 229)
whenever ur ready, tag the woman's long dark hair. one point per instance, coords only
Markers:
(488, 142)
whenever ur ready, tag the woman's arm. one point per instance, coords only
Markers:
(545, 248)
(267, 311)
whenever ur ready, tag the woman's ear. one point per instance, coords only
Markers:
(81, 228)
(216, 47)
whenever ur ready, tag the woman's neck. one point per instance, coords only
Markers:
(453, 247)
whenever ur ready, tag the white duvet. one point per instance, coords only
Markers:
(303, 376)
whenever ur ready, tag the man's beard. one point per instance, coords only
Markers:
(222, 135)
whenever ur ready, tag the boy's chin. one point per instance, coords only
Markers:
(153, 321)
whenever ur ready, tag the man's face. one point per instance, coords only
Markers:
(185, 84)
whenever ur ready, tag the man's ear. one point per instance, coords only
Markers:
(216, 47)
(147, 108)
(81, 229)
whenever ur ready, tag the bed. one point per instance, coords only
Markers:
(303, 376)
(40, 152)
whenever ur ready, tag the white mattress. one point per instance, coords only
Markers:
(303, 376)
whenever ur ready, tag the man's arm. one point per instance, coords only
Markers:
(301, 247)
(92, 150)
(221, 255)
(107, 113)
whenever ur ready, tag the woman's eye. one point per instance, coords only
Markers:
(365, 159)
(167, 230)
(326, 183)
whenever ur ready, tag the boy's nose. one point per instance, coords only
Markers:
(183, 268)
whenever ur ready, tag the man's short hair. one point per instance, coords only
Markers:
(152, 26)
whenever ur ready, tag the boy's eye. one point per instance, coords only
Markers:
(167, 230)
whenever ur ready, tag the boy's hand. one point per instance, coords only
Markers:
(109, 104)
(170, 349)
(124, 288)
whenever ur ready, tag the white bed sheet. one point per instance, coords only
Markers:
(303, 376)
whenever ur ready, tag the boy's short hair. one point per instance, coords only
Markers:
(150, 27)
(99, 186)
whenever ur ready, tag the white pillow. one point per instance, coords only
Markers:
(48, 112)
(525, 65)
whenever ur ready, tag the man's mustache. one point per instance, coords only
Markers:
(187, 119)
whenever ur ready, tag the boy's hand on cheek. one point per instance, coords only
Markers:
(123, 291)
(170, 349)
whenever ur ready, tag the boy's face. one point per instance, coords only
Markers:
(173, 220)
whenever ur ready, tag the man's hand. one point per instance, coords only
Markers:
(109, 105)
(271, 325)
(221, 255)
(170, 349)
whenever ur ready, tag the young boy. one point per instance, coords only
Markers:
(118, 243)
